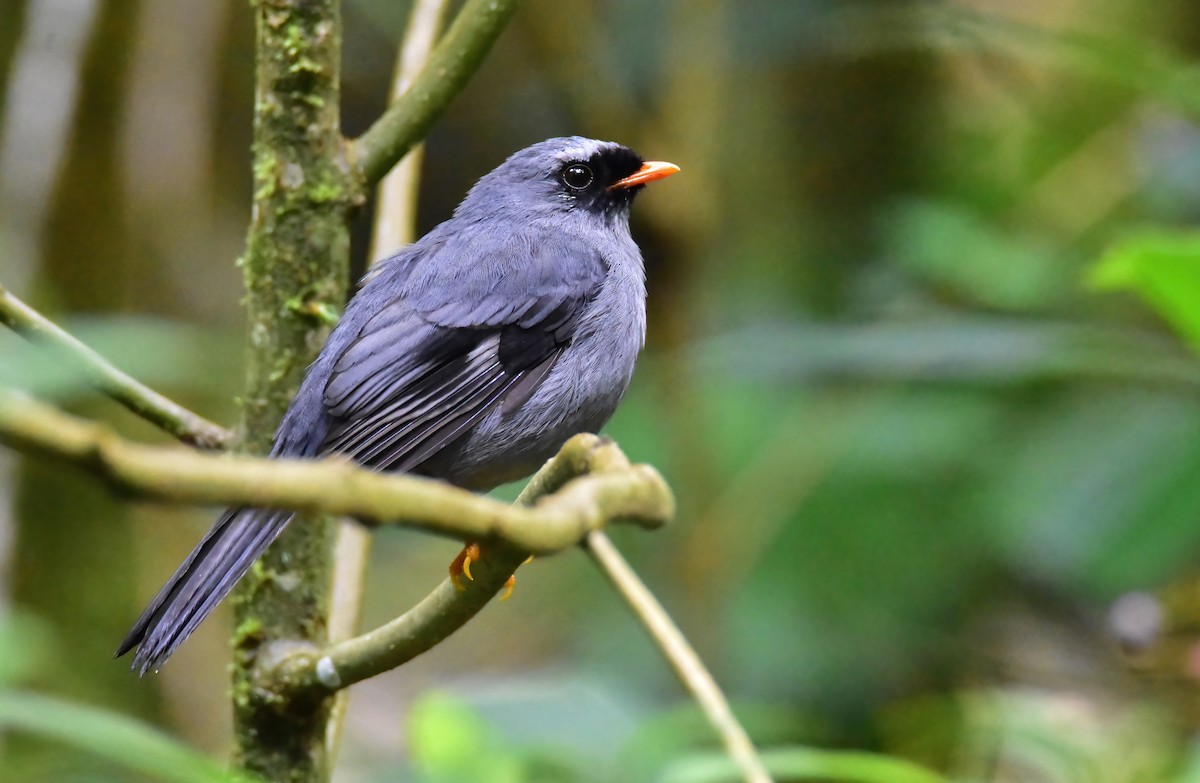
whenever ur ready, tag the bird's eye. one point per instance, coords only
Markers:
(577, 176)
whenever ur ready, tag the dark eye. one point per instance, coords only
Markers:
(577, 176)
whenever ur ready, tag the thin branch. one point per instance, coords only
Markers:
(583, 460)
(396, 201)
(336, 486)
(608, 489)
(422, 627)
(456, 58)
(683, 659)
(142, 400)
(395, 225)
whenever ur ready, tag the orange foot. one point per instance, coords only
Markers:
(461, 566)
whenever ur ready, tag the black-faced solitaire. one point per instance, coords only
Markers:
(469, 356)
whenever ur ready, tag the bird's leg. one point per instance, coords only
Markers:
(461, 566)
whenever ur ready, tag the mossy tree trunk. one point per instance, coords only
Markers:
(308, 179)
(296, 267)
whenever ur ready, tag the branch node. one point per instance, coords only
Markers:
(327, 673)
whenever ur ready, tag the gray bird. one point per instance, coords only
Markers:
(469, 356)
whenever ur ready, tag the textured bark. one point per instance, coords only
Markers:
(295, 269)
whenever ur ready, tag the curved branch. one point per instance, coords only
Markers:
(336, 486)
(584, 463)
(142, 400)
(456, 58)
(435, 617)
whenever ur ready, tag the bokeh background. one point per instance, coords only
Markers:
(924, 311)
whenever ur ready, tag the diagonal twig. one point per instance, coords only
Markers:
(455, 59)
(169, 416)
(682, 658)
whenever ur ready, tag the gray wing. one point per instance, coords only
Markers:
(451, 331)
(469, 332)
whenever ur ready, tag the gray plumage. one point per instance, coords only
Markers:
(470, 356)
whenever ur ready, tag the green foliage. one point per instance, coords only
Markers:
(805, 764)
(27, 654)
(977, 260)
(26, 644)
(1163, 268)
(128, 743)
(451, 743)
(916, 457)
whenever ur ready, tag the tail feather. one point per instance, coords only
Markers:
(208, 574)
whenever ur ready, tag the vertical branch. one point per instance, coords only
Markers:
(395, 225)
(450, 65)
(295, 271)
(396, 202)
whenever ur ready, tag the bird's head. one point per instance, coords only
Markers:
(573, 175)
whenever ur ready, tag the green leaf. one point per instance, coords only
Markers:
(1161, 267)
(961, 251)
(449, 741)
(111, 736)
(798, 763)
(26, 644)
(684, 732)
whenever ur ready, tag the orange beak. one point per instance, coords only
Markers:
(650, 171)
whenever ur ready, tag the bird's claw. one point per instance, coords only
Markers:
(511, 582)
(461, 565)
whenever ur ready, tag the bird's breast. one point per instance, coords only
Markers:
(579, 394)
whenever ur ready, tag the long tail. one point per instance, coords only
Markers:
(221, 558)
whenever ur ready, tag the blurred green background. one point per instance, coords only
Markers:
(922, 371)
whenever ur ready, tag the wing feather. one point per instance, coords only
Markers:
(433, 363)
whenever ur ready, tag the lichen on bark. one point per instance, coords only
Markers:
(295, 268)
